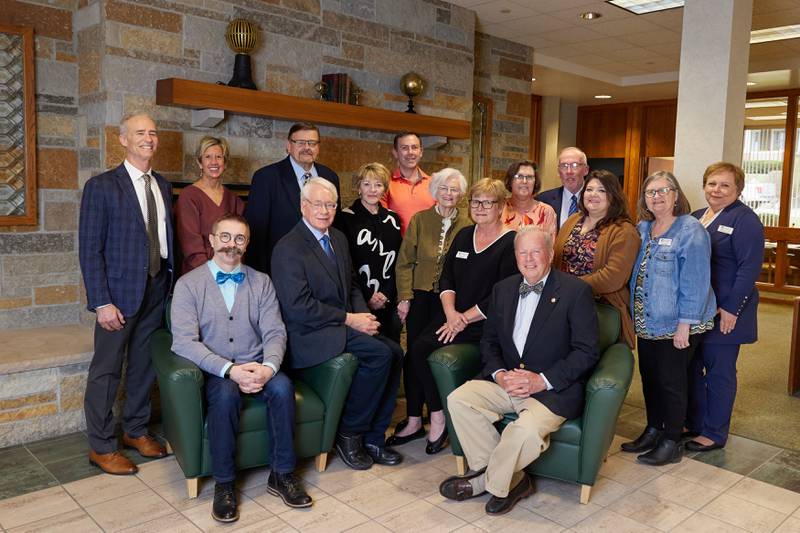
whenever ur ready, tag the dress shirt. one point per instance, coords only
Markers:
(138, 185)
(318, 235)
(300, 171)
(566, 200)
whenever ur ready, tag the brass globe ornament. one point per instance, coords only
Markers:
(412, 85)
(242, 37)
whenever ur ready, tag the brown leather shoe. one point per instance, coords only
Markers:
(146, 445)
(113, 463)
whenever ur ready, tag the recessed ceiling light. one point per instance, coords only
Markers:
(642, 7)
(590, 15)
(602, 96)
(779, 33)
(751, 83)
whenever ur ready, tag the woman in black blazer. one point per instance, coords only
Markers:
(737, 251)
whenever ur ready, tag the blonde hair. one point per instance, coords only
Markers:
(209, 141)
(491, 187)
(371, 170)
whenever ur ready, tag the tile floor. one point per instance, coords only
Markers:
(748, 486)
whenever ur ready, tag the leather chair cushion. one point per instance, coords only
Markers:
(569, 432)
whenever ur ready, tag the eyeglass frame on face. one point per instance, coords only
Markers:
(571, 166)
(660, 192)
(319, 206)
(482, 203)
(225, 237)
(448, 190)
(303, 143)
(525, 177)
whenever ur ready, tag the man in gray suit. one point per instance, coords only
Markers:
(226, 319)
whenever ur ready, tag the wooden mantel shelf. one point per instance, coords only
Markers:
(201, 95)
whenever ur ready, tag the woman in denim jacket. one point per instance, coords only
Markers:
(672, 305)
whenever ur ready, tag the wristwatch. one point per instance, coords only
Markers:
(228, 372)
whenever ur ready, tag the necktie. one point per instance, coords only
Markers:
(525, 289)
(154, 248)
(307, 176)
(326, 247)
(222, 277)
(573, 205)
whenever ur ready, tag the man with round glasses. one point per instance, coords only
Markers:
(273, 207)
(572, 170)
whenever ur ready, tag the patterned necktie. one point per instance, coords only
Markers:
(307, 176)
(573, 205)
(326, 247)
(154, 247)
(525, 289)
(222, 277)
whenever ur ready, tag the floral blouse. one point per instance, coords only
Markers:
(541, 215)
(578, 253)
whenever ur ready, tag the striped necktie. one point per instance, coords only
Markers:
(573, 205)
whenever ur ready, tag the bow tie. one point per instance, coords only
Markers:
(222, 277)
(525, 289)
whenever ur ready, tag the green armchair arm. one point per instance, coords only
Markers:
(180, 384)
(331, 382)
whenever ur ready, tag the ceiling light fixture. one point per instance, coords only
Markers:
(642, 7)
(779, 33)
(751, 83)
(590, 15)
(602, 96)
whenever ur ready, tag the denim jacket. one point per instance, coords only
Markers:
(677, 281)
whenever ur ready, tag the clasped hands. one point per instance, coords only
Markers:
(364, 322)
(251, 377)
(520, 383)
(456, 322)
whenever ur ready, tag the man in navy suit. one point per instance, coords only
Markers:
(325, 314)
(538, 347)
(572, 170)
(273, 206)
(125, 255)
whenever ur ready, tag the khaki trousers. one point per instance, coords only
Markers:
(474, 408)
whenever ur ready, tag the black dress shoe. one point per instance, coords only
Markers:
(646, 441)
(438, 445)
(289, 489)
(689, 434)
(694, 446)
(224, 508)
(396, 440)
(667, 451)
(351, 451)
(496, 506)
(383, 455)
(459, 488)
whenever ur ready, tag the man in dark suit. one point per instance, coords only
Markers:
(572, 170)
(325, 314)
(125, 254)
(538, 346)
(273, 205)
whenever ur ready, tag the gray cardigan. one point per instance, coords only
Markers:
(204, 332)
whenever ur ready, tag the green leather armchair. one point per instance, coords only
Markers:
(579, 447)
(320, 393)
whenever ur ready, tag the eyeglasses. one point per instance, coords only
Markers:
(663, 191)
(524, 177)
(449, 190)
(303, 144)
(568, 166)
(486, 204)
(321, 206)
(226, 237)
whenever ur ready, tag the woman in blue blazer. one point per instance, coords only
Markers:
(737, 251)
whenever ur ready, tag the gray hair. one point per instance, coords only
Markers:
(437, 178)
(321, 182)
(574, 149)
(529, 230)
(123, 123)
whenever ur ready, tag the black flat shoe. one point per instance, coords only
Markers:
(289, 489)
(667, 451)
(224, 508)
(383, 455)
(646, 441)
(497, 506)
(351, 451)
(432, 448)
(396, 440)
(686, 435)
(694, 446)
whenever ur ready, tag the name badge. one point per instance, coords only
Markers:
(461, 255)
(665, 242)
(725, 229)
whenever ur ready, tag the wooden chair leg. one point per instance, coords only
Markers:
(586, 490)
(321, 461)
(170, 451)
(193, 487)
(461, 465)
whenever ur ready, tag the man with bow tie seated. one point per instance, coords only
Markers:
(226, 319)
(537, 350)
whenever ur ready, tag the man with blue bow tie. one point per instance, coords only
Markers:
(226, 319)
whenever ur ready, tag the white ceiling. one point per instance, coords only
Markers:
(632, 57)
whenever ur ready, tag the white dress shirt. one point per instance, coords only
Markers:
(299, 172)
(138, 185)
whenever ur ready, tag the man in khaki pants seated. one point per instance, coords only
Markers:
(538, 348)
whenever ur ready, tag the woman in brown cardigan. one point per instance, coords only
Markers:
(599, 244)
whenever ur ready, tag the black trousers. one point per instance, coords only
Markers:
(424, 307)
(665, 383)
(105, 370)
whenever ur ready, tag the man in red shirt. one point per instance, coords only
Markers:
(409, 189)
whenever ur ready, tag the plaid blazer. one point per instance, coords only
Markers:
(113, 240)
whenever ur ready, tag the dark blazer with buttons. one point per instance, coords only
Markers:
(736, 259)
(113, 247)
(552, 197)
(273, 208)
(315, 294)
(561, 343)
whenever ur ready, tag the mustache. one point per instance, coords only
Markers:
(229, 250)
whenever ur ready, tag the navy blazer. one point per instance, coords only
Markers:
(561, 343)
(737, 253)
(315, 295)
(113, 247)
(273, 208)
(552, 197)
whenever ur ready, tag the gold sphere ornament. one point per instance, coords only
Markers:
(412, 85)
(242, 37)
